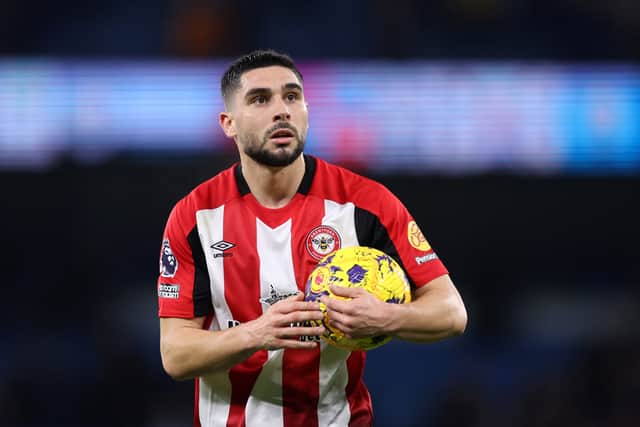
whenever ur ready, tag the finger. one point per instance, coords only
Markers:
(342, 319)
(298, 331)
(340, 306)
(288, 306)
(349, 292)
(300, 317)
(296, 344)
(347, 331)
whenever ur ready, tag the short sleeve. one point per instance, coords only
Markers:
(389, 226)
(182, 292)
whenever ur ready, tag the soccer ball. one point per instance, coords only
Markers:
(357, 266)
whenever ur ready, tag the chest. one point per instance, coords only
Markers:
(261, 256)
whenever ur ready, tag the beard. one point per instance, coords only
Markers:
(279, 157)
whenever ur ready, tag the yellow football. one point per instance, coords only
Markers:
(363, 267)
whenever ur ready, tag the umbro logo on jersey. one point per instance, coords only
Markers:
(222, 246)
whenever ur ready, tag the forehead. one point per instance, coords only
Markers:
(273, 77)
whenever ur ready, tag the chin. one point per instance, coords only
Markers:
(276, 156)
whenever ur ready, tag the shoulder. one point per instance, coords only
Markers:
(343, 186)
(210, 194)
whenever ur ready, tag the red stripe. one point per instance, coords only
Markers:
(196, 406)
(357, 394)
(242, 293)
(301, 368)
(300, 387)
(308, 217)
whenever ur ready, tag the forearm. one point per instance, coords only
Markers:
(433, 316)
(189, 352)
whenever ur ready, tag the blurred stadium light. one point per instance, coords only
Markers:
(408, 117)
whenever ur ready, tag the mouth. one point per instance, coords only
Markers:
(282, 136)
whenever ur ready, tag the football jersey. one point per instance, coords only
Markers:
(228, 258)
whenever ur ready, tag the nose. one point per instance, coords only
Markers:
(282, 112)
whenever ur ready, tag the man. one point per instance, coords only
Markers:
(238, 251)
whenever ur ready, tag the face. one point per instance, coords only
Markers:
(268, 116)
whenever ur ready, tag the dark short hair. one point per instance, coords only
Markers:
(257, 59)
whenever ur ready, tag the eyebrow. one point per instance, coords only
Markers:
(257, 91)
(266, 90)
(293, 86)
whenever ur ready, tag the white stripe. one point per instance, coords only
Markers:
(215, 389)
(210, 228)
(342, 219)
(276, 275)
(333, 406)
(213, 402)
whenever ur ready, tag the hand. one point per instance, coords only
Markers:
(283, 323)
(363, 315)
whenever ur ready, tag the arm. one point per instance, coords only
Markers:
(188, 350)
(436, 312)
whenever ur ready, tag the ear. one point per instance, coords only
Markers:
(227, 123)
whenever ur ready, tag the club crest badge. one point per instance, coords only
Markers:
(322, 240)
(168, 261)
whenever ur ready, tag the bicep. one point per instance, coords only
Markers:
(170, 324)
(170, 328)
(442, 285)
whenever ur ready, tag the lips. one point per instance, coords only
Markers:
(282, 133)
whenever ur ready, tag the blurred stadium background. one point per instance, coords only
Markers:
(510, 128)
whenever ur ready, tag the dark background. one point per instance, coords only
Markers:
(543, 29)
(547, 265)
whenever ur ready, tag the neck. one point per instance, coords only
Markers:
(273, 187)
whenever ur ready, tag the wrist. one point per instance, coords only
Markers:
(250, 340)
(392, 316)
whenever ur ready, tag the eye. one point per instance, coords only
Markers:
(259, 99)
(292, 96)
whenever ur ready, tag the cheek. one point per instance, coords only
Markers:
(252, 122)
(305, 127)
(304, 120)
(245, 125)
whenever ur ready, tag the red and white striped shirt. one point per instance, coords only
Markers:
(226, 257)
